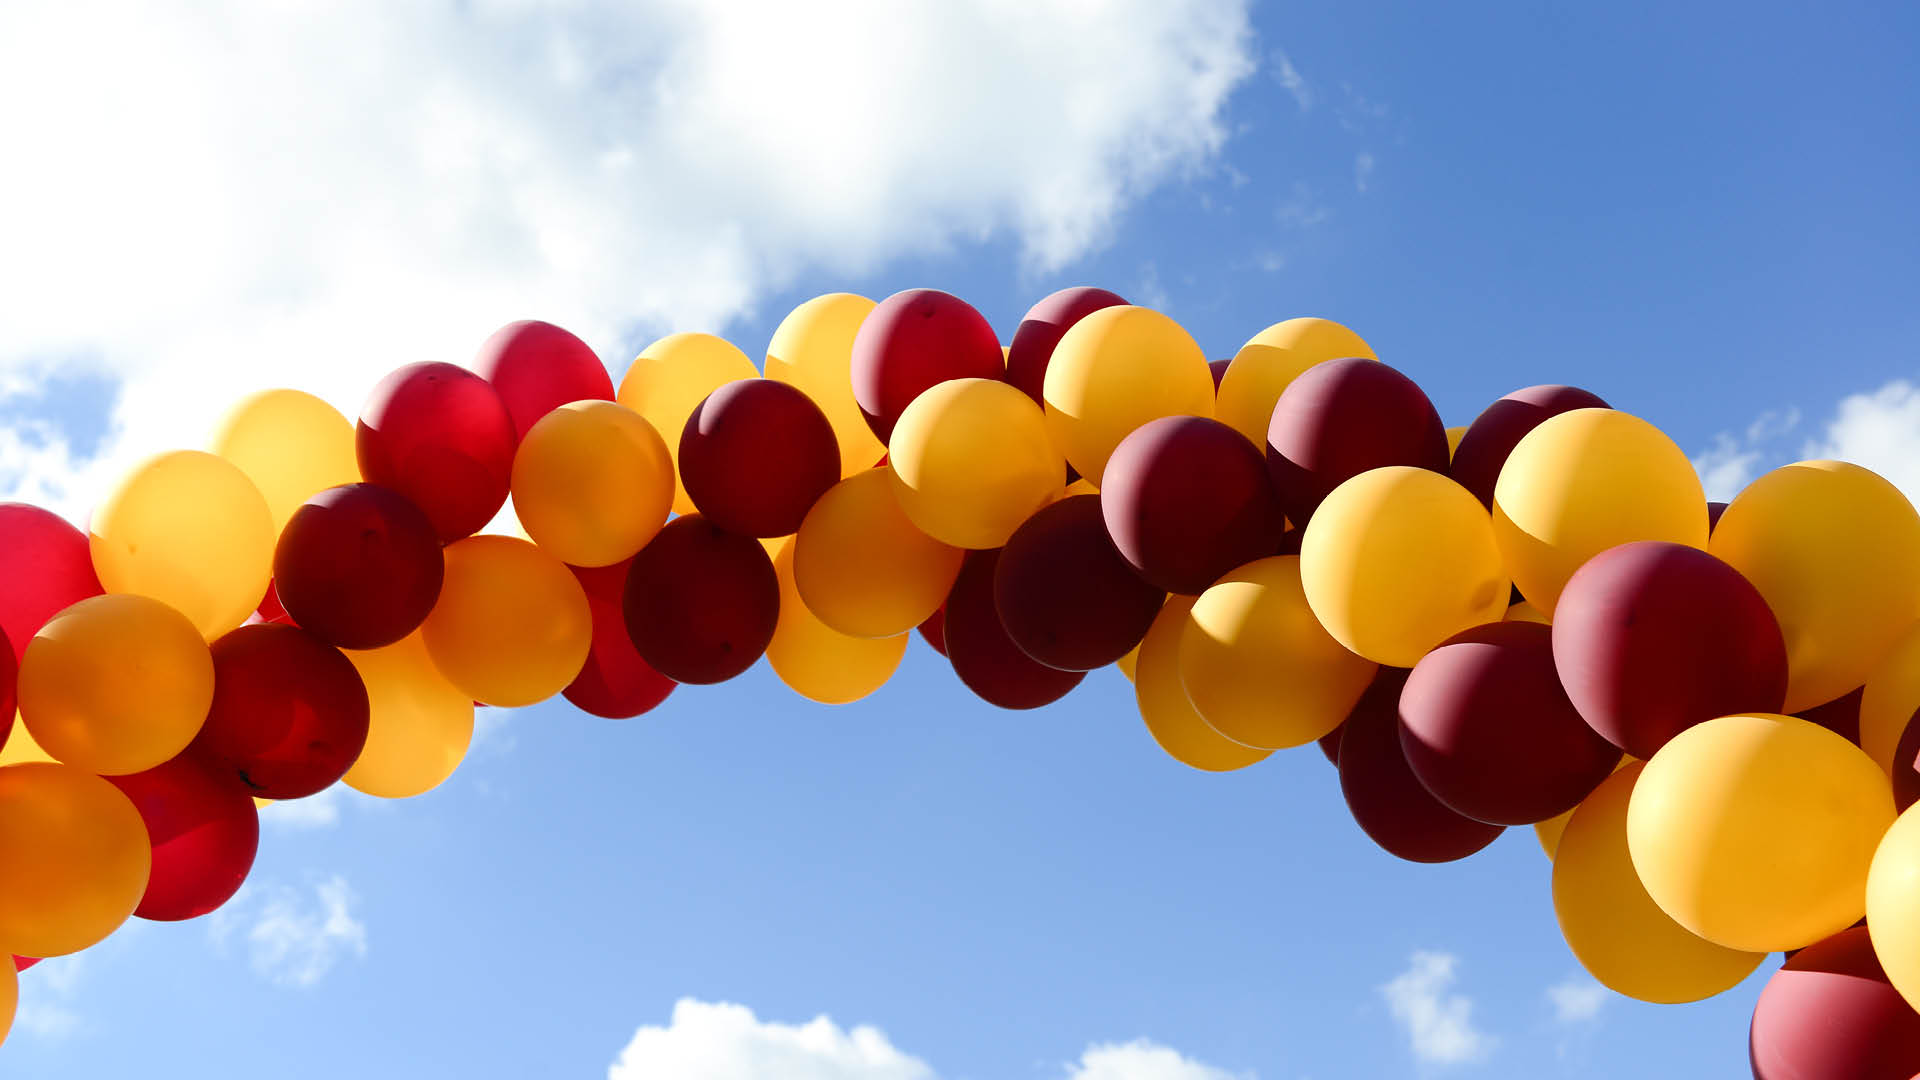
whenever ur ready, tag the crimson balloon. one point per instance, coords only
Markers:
(615, 683)
(205, 830)
(536, 367)
(1186, 500)
(755, 455)
(271, 610)
(1829, 1013)
(1065, 596)
(1218, 368)
(49, 568)
(700, 602)
(441, 436)
(1499, 428)
(1906, 766)
(359, 566)
(289, 714)
(1042, 327)
(9, 688)
(912, 340)
(984, 656)
(1714, 510)
(934, 630)
(1386, 799)
(1330, 744)
(1341, 418)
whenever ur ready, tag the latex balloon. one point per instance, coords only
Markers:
(1835, 549)
(271, 610)
(592, 483)
(1585, 481)
(817, 661)
(674, 375)
(9, 996)
(615, 682)
(1271, 360)
(755, 455)
(511, 627)
(1525, 612)
(1128, 663)
(441, 436)
(1387, 801)
(1342, 418)
(419, 724)
(1714, 510)
(1186, 500)
(1548, 832)
(9, 686)
(1041, 329)
(1399, 559)
(1496, 431)
(1755, 831)
(536, 367)
(812, 349)
(934, 630)
(1893, 894)
(1830, 1014)
(289, 713)
(971, 460)
(861, 565)
(1329, 745)
(701, 603)
(1840, 716)
(1164, 705)
(1217, 369)
(1889, 699)
(911, 341)
(49, 566)
(291, 445)
(1454, 435)
(982, 654)
(1113, 371)
(1063, 593)
(358, 566)
(19, 748)
(74, 855)
(204, 831)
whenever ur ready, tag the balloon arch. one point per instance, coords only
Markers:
(1537, 619)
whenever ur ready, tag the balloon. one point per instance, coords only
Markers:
(1906, 768)
(1329, 745)
(1548, 831)
(1399, 559)
(49, 566)
(1755, 831)
(1113, 371)
(1129, 663)
(1614, 928)
(289, 713)
(755, 455)
(1889, 699)
(592, 483)
(1525, 612)
(1651, 638)
(982, 654)
(1714, 510)
(442, 437)
(512, 626)
(1835, 549)
(1387, 801)
(1259, 668)
(1831, 1014)
(358, 566)
(1454, 435)
(1040, 331)
(1893, 895)
(1270, 361)
(1840, 716)
(74, 856)
(1187, 500)
(9, 687)
(204, 832)
(1217, 369)
(615, 682)
(701, 603)
(817, 661)
(536, 367)
(1582, 482)
(1164, 705)
(419, 724)
(934, 630)
(674, 375)
(271, 610)
(20, 749)
(863, 568)
(1496, 431)
(116, 684)
(971, 460)
(1065, 597)
(9, 996)
(291, 445)
(812, 349)
(911, 341)
(1342, 418)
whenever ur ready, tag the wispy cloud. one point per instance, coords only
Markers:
(293, 937)
(1438, 1022)
(318, 811)
(1880, 430)
(1149, 289)
(1143, 1059)
(1362, 171)
(1295, 83)
(1734, 459)
(48, 992)
(1301, 209)
(1576, 999)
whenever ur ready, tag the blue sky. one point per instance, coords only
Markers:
(1704, 215)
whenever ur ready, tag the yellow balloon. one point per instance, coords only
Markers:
(1129, 663)
(189, 529)
(1755, 831)
(1893, 896)
(592, 483)
(1398, 560)
(1548, 832)
(1454, 435)
(291, 445)
(74, 855)
(1835, 550)
(971, 460)
(419, 724)
(1270, 360)
(862, 567)
(1163, 700)
(1525, 612)
(1115, 370)
(812, 351)
(1585, 481)
(9, 996)
(1614, 928)
(1257, 665)
(1889, 700)
(512, 626)
(1082, 486)
(817, 661)
(116, 684)
(670, 378)
(19, 749)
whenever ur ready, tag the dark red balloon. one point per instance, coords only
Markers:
(1906, 765)
(48, 567)
(1044, 324)
(205, 832)
(1065, 596)
(359, 566)
(1218, 368)
(1187, 500)
(441, 436)
(1651, 638)
(22, 963)
(270, 610)
(1341, 418)
(700, 602)
(1840, 716)
(289, 714)
(1830, 1014)
(9, 688)
(1330, 744)
(1386, 799)
(1499, 428)
(615, 683)
(982, 654)
(755, 455)
(536, 367)
(934, 630)
(911, 341)
(1714, 510)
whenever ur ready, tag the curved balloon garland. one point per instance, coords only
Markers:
(1538, 619)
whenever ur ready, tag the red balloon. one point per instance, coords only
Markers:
(1065, 596)
(1840, 716)
(1830, 1014)
(982, 654)
(1219, 370)
(1044, 324)
(912, 340)
(1341, 418)
(441, 436)
(1187, 500)
(701, 603)
(1387, 801)
(755, 455)
(1496, 431)
(1330, 744)
(359, 566)
(1714, 510)
(270, 610)
(1906, 766)
(9, 688)
(934, 630)
(289, 714)
(536, 367)
(49, 566)
(1651, 638)
(205, 831)
(615, 683)
(22, 963)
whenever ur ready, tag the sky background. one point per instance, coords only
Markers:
(1701, 212)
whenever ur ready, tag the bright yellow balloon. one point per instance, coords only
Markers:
(1129, 663)
(116, 684)
(862, 567)
(1548, 832)
(20, 748)
(291, 445)
(74, 855)
(1889, 700)
(512, 626)
(817, 661)
(1115, 370)
(9, 996)
(812, 351)
(1257, 665)
(1755, 831)
(1270, 360)
(189, 529)
(670, 378)
(1893, 897)
(1398, 560)
(1614, 928)
(971, 460)
(1585, 481)
(1525, 612)
(592, 483)
(1454, 435)
(1082, 486)
(419, 724)
(1835, 550)
(1163, 700)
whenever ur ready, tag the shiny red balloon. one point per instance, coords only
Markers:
(1499, 428)
(1065, 596)
(934, 630)
(1341, 418)
(1187, 500)
(359, 566)
(270, 609)
(1042, 327)
(982, 654)
(289, 714)
(441, 436)
(9, 688)
(22, 963)
(755, 455)
(700, 602)
(49, 567)
(912, 340)
(1387, 801)
(536, 367)
(204, 829)
(1830, 1014)
(1840, 716)
(615, 683)
(1714, 510)
(1218, 368)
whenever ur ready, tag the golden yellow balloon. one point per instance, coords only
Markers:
(812, 350)
(20, 749)
(1835, 550)
(1270, 360)
(1454, 435)
(1755, 831)
(1893, 896)
(116, 684)
(592, 483)
(1889, 700)
(815, 660)
(9, 996)
(1398, 560)
(1525, 612)
(1115, 370)
(1548, 832)
(74, 855)
(291, 445)
(419, 725)
(1129, 663)
(862, 567)
(1585, 481)
(1258, 667)
(1163, 701)
(971, 460)
(1614, 928)
(512, 626)
(670, 378)
(189, 529)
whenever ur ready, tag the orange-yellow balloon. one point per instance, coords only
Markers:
(291, 445)
(419, 724)
(1525, 612)
(1755, 831)
(1893, 897)
(1454, 435)
(1398, 560)
(862, 567)
(512, 626)
(1548, 832)
(1585, 481)
(1889, 700)
(1163, 700)
(812, 350)
(1835, 550)
(1270, 360)
(1115, 370)
(971, 460)
(19, 749)
(1129, 663)
(74, 855)
(592, 482)
(116, 684)
(189, 529)
(815, 660)
(670, 378)
(9, 996)
(1259, 668)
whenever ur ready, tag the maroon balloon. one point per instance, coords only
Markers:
(1499, 428)
(1906, 765)
(1714, 510)
(982, 654)
(9, 688)
(911, 341)
(1840, 716)
(359, 566)
(1386, 799)
(1330, 744)
(441, 436)
(615, 683)
(270, 610)
(289, 714)
(1044, 324)
(1187, 500)
(1651, 638)
(536, 367)
(1830, 1014)
(1341, 418)
(1289, 542)
(934, 630)
(22, 963)
(755, 455)
(700, 602)
(1065, 596)
(48, 566)
(205, 832)
(1218, 368)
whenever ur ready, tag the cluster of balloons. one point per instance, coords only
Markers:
(1537, 619)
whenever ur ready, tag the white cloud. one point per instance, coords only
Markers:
(293, 937)
(1438, 1022)
(1576, 999)
(47, 991)
(1143, 1060)
(1295, 83)
(1362, 171)
(1880, 430)
(317, 811)
(1301, 209)
(1733, 460)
